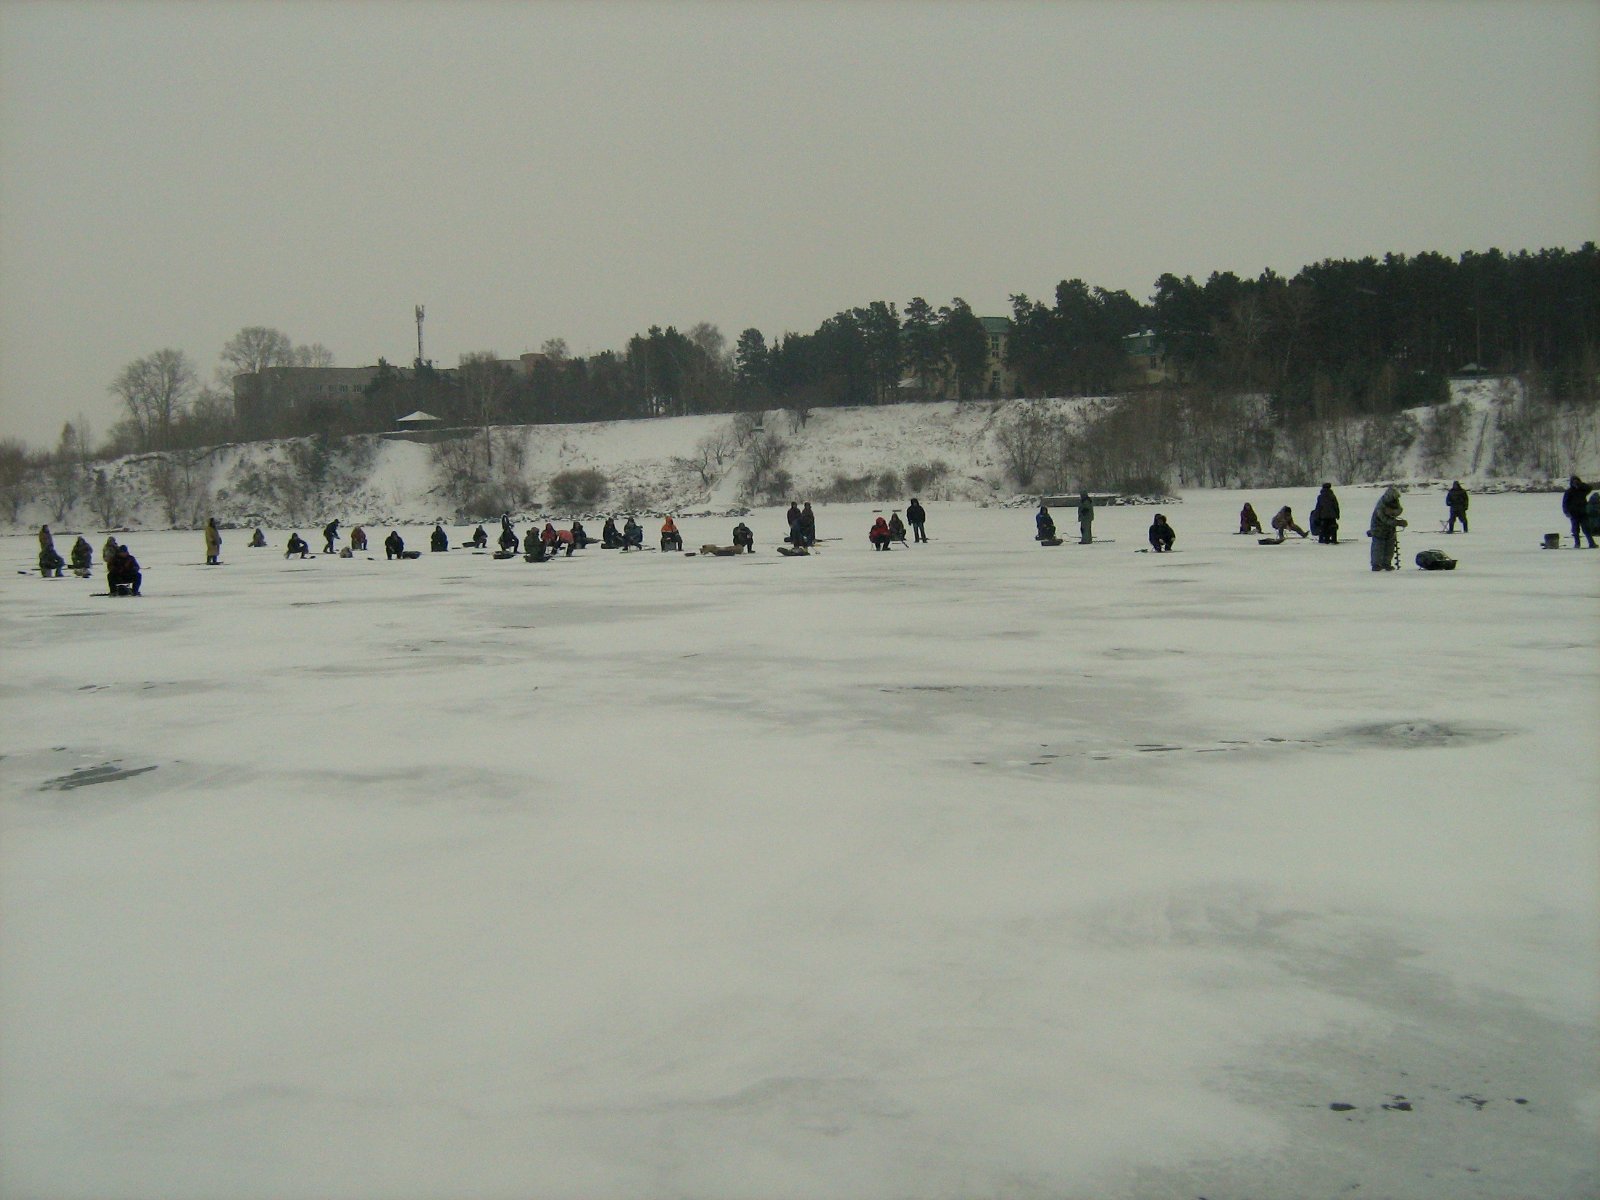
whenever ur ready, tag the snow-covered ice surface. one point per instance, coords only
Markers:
(974, 869)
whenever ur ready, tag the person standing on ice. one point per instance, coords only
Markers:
(1325, 516)
(1384, 530)
(808, 524)
(1248, 521)
(1455, 500)
(1085, 519)
(50, 562)
(213, 542)
(917, 517)
(1574, 502)
(793, 517)
(330, 534)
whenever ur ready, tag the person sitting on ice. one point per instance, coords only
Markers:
(632, 535)
(479, 539)
(1248, 521)
(108, 550)
(257, 539)
(82, 557)
(533, 544)
(394, 546)
(580, 537)
(358, 539)
(438, 540)
(879, 534)
(550, 538)
(1284, 522)
(1044, 523)
(1161, 535)
(610, 539)
(509, 541)
(122, 574)
(1325, 517)
(897, 528)
(297, 545)
(743, 539)
(671, 539)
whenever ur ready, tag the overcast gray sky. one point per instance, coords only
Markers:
(170, 173)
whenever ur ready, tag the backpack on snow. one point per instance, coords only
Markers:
(1435, 560)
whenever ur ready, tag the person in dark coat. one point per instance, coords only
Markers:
(108, 549)
(743, 538)
(1455, 500)
(50, 561)
(438, 540)
(1248, 521)
(509, 541)
(793, 517)
(1591, 514)
(897, 528)
(1085, 519)
(808, 524)
(1044, 524)
(632, 534)
(610, 539)
(394, 546)
(297, 545)
(257, 539)
(479, 539)
(580, 537)
(917, 517)
(1161, 535)
(358, 539)
(82, 557)
(1325, 516)
(122, 573)
(330, 534)
(1574, 503)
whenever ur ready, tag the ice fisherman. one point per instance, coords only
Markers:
(879, 534)
(358, 539)
(123, 576)
(917, 517)
(1248, 521)
(1384, 530)
(438, 540)
(50, 562)
(213, 542)
(82, 557)
(297, 545)
(1162, 535)
(743, 538)
(1325, 516)
(258, 539)
(1455, 502)
(394, 546)
(1283, 521)
(1574, 503)
(330, 534)
(1044, 524)
(1085, 519)
(632, 534)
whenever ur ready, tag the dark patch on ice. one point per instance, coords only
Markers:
(106, 772)
(1398, 1104)
(1342, 1107)
(1405, 735)
(99, 613)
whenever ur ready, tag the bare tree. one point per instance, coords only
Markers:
(314, 355)
(255, 348)
(155, 389)
(107, 499)
(486, 386)
(13, 476)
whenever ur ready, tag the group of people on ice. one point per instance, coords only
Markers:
(123, 577)
(1045, 525)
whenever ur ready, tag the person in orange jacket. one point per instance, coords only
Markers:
(671, 539)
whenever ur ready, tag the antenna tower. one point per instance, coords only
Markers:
(419, 334)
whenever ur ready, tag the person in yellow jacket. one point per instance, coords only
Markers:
(213, 542)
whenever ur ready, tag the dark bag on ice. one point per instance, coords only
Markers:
(1435, 560)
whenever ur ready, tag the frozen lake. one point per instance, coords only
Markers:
(972, 869)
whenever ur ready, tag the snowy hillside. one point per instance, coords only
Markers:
(944, 451)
